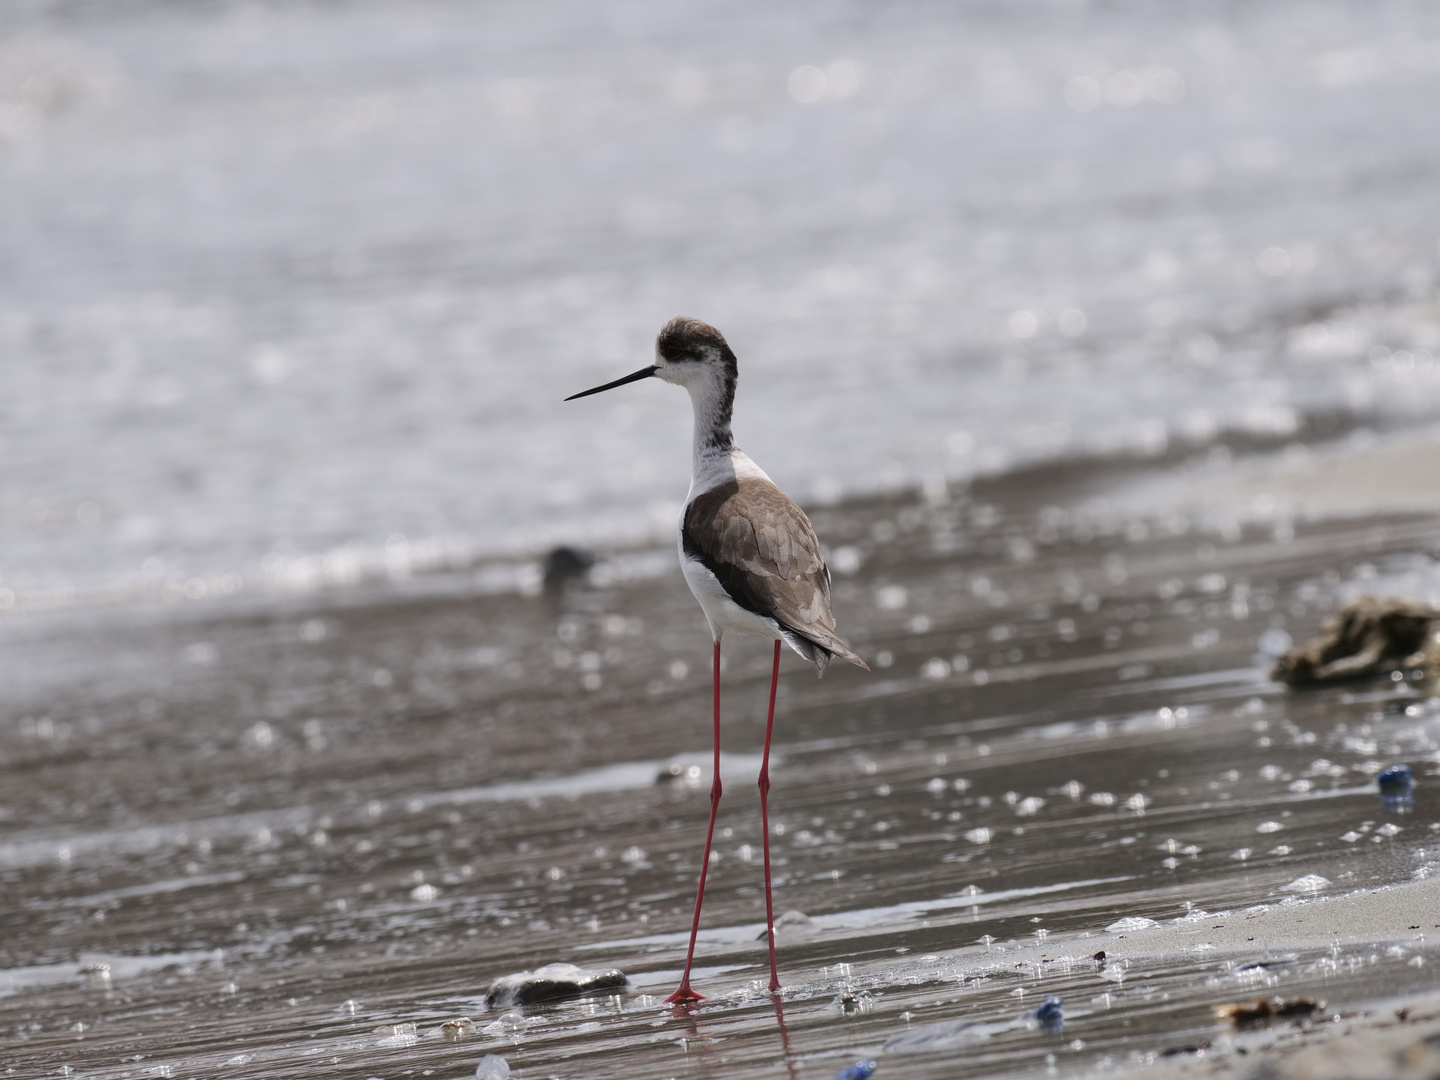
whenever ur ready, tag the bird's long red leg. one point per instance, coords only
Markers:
(765, 820)
(685, 993)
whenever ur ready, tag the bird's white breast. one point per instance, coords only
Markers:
(721, 612)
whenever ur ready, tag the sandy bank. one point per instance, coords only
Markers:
(1390, 477)
(1399, 913)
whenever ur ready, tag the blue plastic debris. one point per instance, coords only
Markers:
(861, 1070)
(1394, 779)
(1049, 1014)
(1397, 787)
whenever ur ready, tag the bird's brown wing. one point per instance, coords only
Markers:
(763, 550)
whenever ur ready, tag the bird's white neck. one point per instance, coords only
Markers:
(717, 460)
(713, 397)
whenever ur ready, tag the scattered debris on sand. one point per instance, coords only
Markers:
(1371, 635)
(1261, 1011)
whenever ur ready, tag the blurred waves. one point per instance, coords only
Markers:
(293, 291)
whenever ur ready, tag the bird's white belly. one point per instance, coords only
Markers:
(720, 611)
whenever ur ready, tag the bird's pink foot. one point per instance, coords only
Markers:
(684, 995)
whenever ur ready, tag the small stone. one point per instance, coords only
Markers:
(551, 982)
(460, 1028)
(793, 926)
(564, 565)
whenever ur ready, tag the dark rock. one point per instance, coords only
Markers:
(551, 982)
(566, 564)
(1371, 635)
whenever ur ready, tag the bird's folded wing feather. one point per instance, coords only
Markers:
(764, 552)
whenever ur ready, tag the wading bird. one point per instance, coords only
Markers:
(749, 555)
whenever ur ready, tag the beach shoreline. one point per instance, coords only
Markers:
(1068, 724)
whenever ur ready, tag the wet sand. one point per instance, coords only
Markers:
(252, 838)
(1395, 476)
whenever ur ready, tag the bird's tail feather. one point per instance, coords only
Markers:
(820, 653)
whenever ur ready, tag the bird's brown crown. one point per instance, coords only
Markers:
(684, 338)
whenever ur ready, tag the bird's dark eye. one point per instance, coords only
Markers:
(670, 351)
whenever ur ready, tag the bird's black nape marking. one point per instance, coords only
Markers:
(685, 339)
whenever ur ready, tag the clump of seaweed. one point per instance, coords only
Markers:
(1371, 635)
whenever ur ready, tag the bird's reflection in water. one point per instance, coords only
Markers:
(785, 1037)
(688, 1011)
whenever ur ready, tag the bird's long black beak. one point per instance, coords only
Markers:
(643, 373)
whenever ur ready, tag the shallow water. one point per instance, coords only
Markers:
(293, 291)
(287, 830)
(293, 756)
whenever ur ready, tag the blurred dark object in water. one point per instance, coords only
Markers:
(1175, 1051)
(1051, 1018)
(861, 1070)
(566, 564)
(1371, 635)
(551, 982)
(1261, 1011)
(1397, 788)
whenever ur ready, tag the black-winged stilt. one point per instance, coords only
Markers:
(749, 554)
